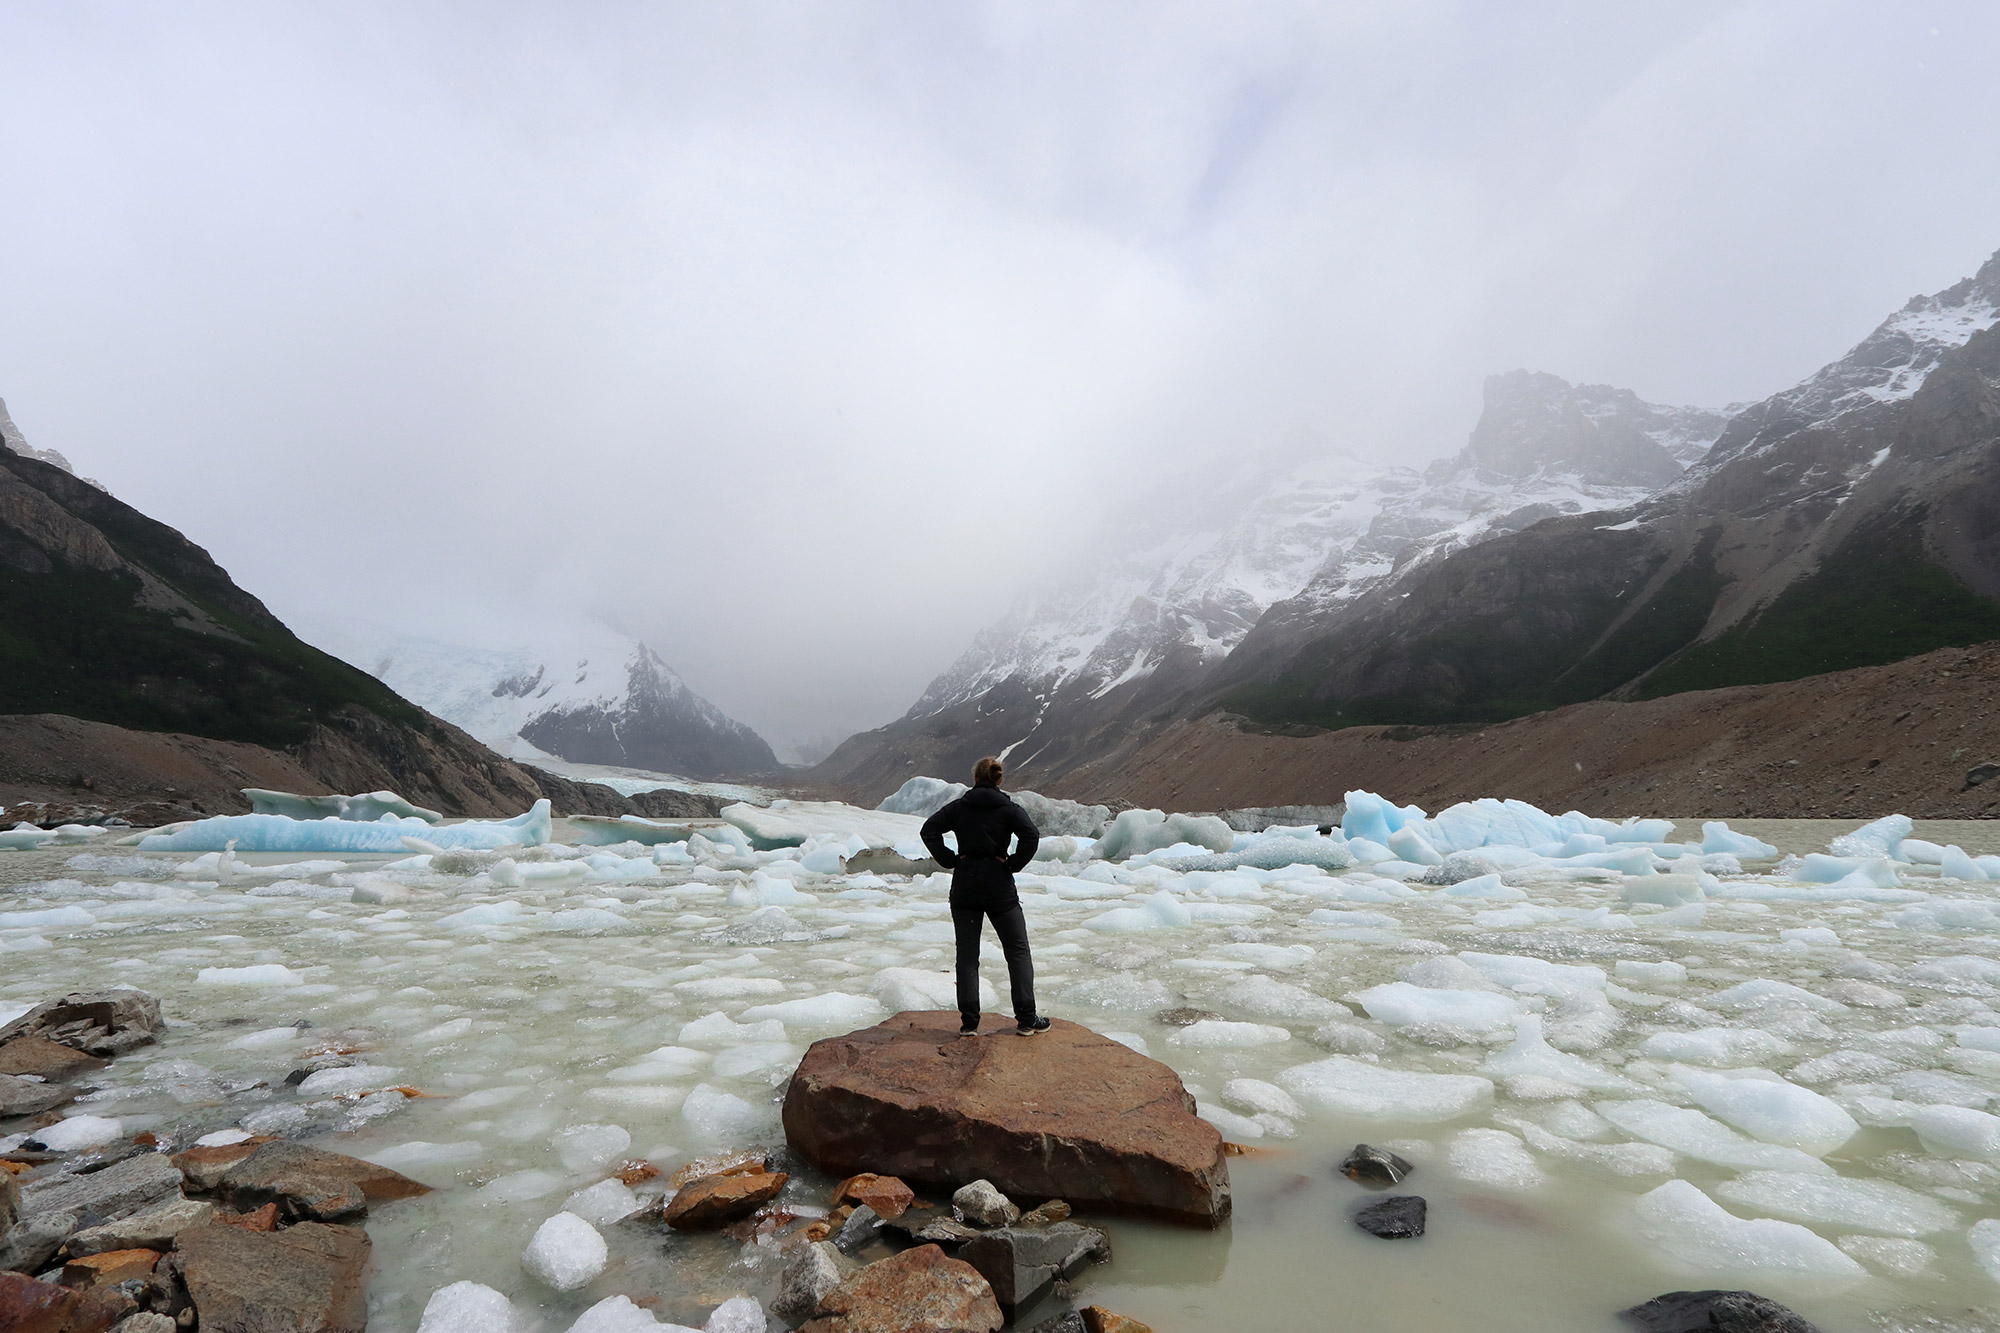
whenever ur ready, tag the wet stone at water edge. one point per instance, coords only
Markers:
(1398, 1217)
(1374, 1166)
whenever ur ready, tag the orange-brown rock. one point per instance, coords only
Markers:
(45, 1058)
(311, 1278)
(729, 1164)
(634, 1172)
(708, 1203)
(1097, 1319)
(918, 1291)
(1067, 1114)
(311, 1185)
(100, 1270)
(203, 1168)
(28, 1306)
(888, 1196)
(257, 1219)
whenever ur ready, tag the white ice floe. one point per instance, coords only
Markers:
(1836, 1201)
(79, 1132)
(468, 1307)
(259, 974)
(566, 1252)
(1221, 1033)
(1765, 1106)
(1697, 1234)
(277, 833)
(1351, 1087)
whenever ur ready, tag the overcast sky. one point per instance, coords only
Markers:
(796, 338)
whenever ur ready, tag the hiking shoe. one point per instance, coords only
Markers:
(1032, 1026)
(968, 1029)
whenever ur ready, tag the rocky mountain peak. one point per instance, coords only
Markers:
(12, 439)
(1534, 422)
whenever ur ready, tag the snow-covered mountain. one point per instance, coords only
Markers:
(1162, 601)
(12, 439)
(602, 698)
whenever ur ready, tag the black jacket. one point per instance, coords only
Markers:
(982, 870)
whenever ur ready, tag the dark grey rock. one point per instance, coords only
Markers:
(812, 1272)
(1022, 1263)
(307, 1277)
(102, 1022)
(27, 1096)
(1714, 1312)
(117, 1191)
(1062, 1323)
(1398, 1217)
(10, 1201)
(982, 1204)
(1981, 773)
(152, 1229)
(1374, 1166)
(28, 1246)
(1184, 1017)
(860, 1228)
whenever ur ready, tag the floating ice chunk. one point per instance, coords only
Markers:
(1274, 957)
(765, 890)
(905, 988)
(484, 915)
(566, 1252)
(585, 921)
(53, 918)
(1958, 1131)
(587, 1147)
(717, 1028)
(276, 833)
(604, 1204)
(260, 974)
(1904, 1258)
(1533, 1056)
(348, 1078)
(520, 1186)
(418, 1153)
(1717, 837)
(79, 1132)
(1398, 1003)
(1766, 1107)
(1985, 1241)
(1533, 976)
(1257, 1095)
(1764, 990)
(1948, 914)
(786, 823)
(1353, 1087)
(26, 838)
(1262, 997)
(617, 1314)
(1849, 871)
(1230, 1125)
(754, 1058)
(715, 1116)
(835, 1007)
(467, 1307)
(1918, 852)
(1219, 1032)
(738, 1314)
(1883, 838)
(1979, 1039)
(1817, 936)
(1729, 1047)
(1649, 974)
(222, 1138)
(1493, 1157)
(1695, 1135)
(729, 988)
(1409, 845)
(1367, 815)
(1955, 864)
(1864, 1205)
(1136, 832)
(922, 797)
(1700, 1235)
(365, 808)
(1161, 911)
(1666, 890)
(1488, 887)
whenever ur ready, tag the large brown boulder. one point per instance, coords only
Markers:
(917, 1291)
(311, 1278)
(28, 1306)
(312, 1185)
(102, 1022)
(1064, 1114)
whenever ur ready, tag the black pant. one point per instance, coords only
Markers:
(1012, 928)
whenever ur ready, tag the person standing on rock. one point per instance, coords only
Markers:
(985, 820)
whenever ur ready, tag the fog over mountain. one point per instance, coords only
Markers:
(798, 343)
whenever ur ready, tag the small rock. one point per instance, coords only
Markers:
(118, 1191)
(566, 1252)
(945, 1231)
(984, 1205)
(1055, 1210)
(146, 1321)
(1981, 773)
(813, 1271)
(1184, 1018)
(204, 1168)
(105, 1022)
(1022, 1263)
(108, 1268)
(1714, 1312)
(27, 1096)
(1062, 1323)
(310, 1278)
(10, 1201)
(921, 1288)
(730, 1164)
(708, 1203)
(1374, 1166)
(1097, 1319)
(310, 1185)
(738, 1314)
(1398, 1217)
(29, 1245)
(44, 1058)
(43, 1307)
(857, 1229)
(152, 1229)
(257, 1219)
(887, 1195)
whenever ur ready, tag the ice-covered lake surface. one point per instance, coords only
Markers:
(1620, 1068)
